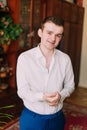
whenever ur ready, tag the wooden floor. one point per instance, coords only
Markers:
(78, 97)
(9, 97)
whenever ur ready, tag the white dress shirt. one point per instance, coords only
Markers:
(34, 79)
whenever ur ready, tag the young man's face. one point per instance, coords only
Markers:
(51, 35)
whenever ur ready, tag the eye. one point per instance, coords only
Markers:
(49, 32)
(59, 35)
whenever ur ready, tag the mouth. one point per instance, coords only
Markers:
(51, 42)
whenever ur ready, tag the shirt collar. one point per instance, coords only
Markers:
(39, 53)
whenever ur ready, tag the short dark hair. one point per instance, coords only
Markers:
(53, 19)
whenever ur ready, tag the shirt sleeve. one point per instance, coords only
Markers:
(69, 84)
(23, 86)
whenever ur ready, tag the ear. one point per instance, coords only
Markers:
(40, 32)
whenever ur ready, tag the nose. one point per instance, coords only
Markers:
(53, 37)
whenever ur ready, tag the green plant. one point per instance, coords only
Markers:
(9, 30)
(5, 115)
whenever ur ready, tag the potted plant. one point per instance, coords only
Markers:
(4, 115)
(8, 30)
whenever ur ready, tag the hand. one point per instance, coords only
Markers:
(52, 99)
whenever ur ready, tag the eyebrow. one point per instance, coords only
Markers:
(61, 34)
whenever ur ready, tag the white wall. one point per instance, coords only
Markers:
(83, 66)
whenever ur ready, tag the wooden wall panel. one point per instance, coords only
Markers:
(14, 7)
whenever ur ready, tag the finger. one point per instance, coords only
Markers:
(52, 99)
(51, 94)
(53, 104)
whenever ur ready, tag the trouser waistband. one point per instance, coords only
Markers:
(43, 115)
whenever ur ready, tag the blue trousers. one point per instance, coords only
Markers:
(32, 121)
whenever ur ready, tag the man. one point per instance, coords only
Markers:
(44, 79)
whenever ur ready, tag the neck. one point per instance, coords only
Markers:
(48, 55)
(46, 52)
